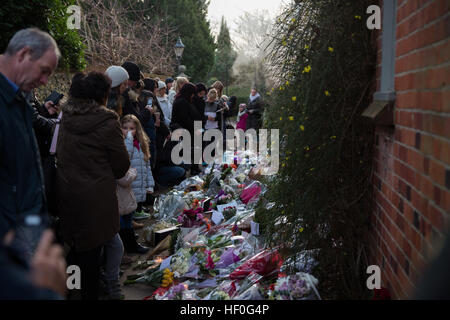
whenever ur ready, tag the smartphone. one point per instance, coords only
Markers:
(150, 102)
(54, 97)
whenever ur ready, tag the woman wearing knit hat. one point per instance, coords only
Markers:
(119, 77)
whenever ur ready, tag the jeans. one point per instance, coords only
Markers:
(170, 175)
(113, 251)
(126, 221)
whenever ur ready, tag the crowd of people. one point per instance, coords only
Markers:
(90, 167)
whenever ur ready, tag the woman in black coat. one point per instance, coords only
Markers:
(184, 114)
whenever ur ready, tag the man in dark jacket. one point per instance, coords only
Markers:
(255, 110)
(29, 60)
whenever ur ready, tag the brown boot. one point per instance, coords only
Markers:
(137, 226)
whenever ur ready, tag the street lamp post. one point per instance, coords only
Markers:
(179, 48)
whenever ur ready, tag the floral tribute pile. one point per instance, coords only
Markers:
(218, 253)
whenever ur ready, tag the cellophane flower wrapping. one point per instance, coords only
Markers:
(294, 287)
(265, 263)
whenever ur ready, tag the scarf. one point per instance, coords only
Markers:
(136, 144)
(253, 98)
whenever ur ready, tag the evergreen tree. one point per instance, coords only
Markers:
(47, 15)
(225, 55)
(188, 17)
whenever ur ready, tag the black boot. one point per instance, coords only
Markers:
(130, 243)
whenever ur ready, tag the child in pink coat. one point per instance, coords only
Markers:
(242, 117)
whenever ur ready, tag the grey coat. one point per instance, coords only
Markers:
(144, 180)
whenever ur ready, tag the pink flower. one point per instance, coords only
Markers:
(210, 263)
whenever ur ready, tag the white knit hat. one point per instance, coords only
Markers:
(161, 84)
(117, 74)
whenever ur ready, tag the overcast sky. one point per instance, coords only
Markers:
(232, 9)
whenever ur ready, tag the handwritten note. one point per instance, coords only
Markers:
(217, 217)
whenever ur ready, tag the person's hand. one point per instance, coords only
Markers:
(51, 107)
(149, 108)
(48, 266)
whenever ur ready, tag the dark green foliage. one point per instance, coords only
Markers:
(47, 15)
(224, 56)
(323, 57)
(188, 17)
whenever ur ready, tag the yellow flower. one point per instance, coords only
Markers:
(281, 88)
(307, 148)
(306, 47)
(302, 127)
(330, 49)
(294, 99)
(301, 230)
(312, 169)
(283, 165)
(284, 43)
(293, 20)
(287, 83)
(358, 17)
(291, 37)
(327, 93)
(291, 118)
(281, 118)
(307, 69)
(333, 137)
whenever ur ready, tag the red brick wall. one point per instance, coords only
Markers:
(412, 161)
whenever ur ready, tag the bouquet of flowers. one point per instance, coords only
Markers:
(192, 218)
(219, 295)
(226, 170)
(151, 277)
(167, 278)
(229, 213)
(180, 263)
(295, 287)
(174, 293)
(223, 198)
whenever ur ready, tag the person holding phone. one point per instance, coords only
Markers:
(119, 77)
